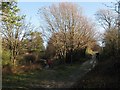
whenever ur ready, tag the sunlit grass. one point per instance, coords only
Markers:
(61, 73)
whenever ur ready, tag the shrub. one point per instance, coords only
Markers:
(6, 57)
(29, 58)
(7, 69)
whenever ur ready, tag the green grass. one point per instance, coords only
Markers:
(40, 78)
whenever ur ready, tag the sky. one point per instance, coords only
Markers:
(30, 9)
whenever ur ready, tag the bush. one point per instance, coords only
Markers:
(6, 57)
(29, 58)
(7, 69)
(76, 55)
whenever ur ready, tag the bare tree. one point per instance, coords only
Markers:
(14, 29)
(13, 37)
(106, 18)
(69, 27)
(109, 21)
(115, 7)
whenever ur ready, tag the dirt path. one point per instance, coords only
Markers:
(71, 79)
(59, 77)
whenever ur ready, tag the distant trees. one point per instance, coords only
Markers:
(33, 43)
(69, 29)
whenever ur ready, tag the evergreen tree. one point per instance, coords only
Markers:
(11, 28)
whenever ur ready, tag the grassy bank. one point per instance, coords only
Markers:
(104, 75)
(59, 76)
